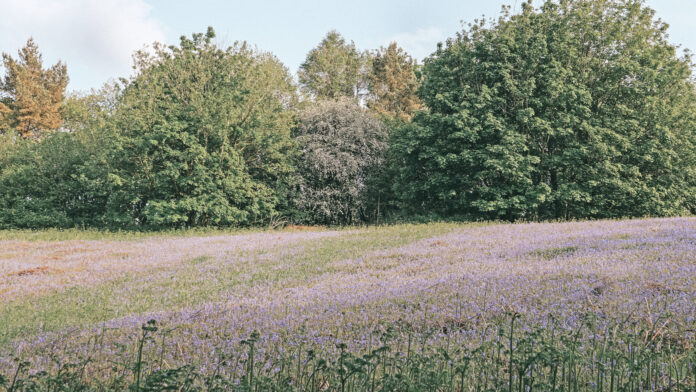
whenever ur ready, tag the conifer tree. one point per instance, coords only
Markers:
(4, 115)
(33, 95)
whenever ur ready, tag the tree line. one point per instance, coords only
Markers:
(574, 109)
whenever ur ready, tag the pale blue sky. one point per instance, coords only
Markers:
(96, 37)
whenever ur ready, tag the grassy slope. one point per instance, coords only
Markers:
(201, 280)
(119, 235)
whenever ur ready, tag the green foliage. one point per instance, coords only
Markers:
(341, 146)
(204, 137)
(598, 355)
(199, 137)
(52, 183)
(90, 112)
(334, 69)
(576, 109)
(60, 181)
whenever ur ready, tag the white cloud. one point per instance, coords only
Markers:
(420, 43)
(96, 38)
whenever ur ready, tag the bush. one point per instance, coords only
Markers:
(51, 183)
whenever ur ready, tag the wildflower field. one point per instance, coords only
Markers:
(600, 305)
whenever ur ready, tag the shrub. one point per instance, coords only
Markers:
(55, 182)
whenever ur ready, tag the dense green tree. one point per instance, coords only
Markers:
(341, 145)
(204, 137)
(579, 108)
(393, 84)
(91, 111)
(31, 95)
(334, 69)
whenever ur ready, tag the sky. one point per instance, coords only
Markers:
(96, 38)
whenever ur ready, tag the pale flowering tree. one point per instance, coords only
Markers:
(340, 146)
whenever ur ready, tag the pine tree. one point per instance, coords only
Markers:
(33, 95)
(4, 114)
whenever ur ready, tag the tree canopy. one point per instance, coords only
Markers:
(575, 109)
(341, 145)
(572, 109)
(393, 84)
(335, 68)
(31, 95)
(205, 136)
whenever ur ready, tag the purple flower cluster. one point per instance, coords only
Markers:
(453, 286)
(55, 266)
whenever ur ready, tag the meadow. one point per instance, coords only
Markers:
(595, 305)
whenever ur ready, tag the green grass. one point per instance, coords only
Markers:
(117, 235)
(188, 286)
(329, 313)
(552, 253)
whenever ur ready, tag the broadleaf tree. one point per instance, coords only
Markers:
(205, 137)
(341, 145)
(574, 109)
(334, 69)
